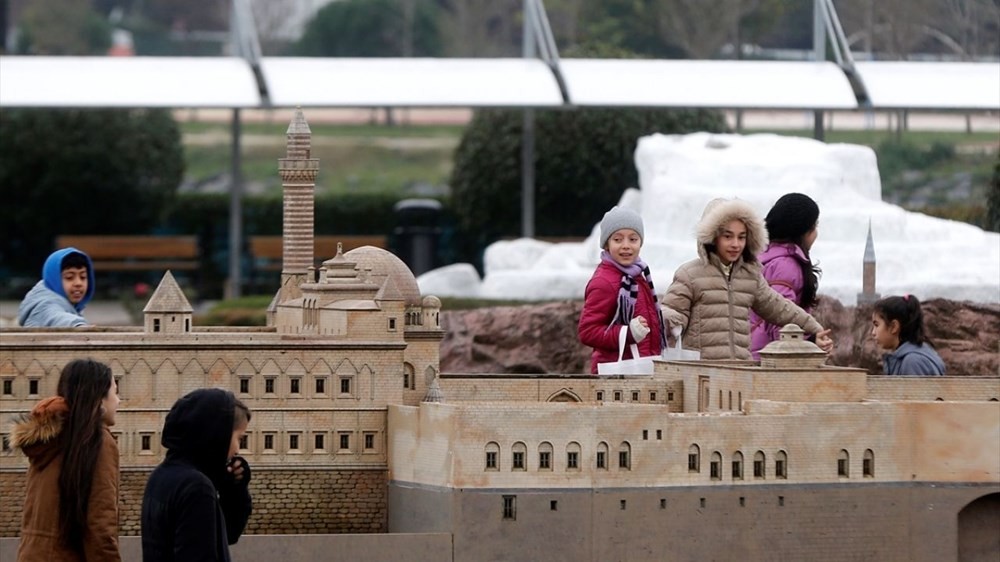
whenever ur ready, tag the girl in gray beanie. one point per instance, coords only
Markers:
(620, 295)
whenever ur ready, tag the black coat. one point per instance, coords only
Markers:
(193, 508)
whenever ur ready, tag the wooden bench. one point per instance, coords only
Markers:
(136, 252)
(266, 251)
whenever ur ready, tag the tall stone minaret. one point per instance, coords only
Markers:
(868, 294)
(298, 180)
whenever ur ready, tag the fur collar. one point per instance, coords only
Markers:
(718, 213)
(43, 424)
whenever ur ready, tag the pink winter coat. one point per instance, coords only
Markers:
(599, 307)
(781, 265)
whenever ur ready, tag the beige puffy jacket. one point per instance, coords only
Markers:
(714, 310)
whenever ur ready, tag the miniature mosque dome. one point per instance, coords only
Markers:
(430, 301)
(384, 264)
(791, 350)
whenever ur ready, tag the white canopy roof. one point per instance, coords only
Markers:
(932, 85)
(229, 82)
(707, 83)
(127, 82)
(409, 82)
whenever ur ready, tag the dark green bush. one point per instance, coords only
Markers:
(583, 163)
(82, 172)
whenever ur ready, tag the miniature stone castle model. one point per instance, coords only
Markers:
(355, 430)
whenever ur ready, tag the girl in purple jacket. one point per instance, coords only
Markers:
(785, 263)
(620, 294)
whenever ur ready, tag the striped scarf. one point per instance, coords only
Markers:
(628, 293)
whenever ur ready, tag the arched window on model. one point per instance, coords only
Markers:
(694, 458)
(715, 466)
(737, 466)
(868, 464)
(602, 456)
(625, 456)
(492, 456)
(758, 464)
(781, 465)
(844, 464)
(545, 456)
(573, 454)
(518, 454)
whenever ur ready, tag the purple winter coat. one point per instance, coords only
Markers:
(781, 265)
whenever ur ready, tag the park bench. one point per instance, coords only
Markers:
(266, 250)
(136, 253)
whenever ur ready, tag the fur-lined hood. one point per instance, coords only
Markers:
(718, 213)
(36, 433)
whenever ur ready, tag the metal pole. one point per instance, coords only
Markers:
(528, 137)
(819, 54)
(235, 212)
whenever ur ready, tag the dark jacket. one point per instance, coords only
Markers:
(38, 436)
(911, 359)
(193, 508)
(595, 327)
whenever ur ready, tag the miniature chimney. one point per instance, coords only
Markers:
(868, 294)
(791, 351)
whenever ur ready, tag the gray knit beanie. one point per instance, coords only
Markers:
(618, 218)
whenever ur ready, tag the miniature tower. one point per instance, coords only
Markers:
(868, 294)
(168, 310)
(298, 181)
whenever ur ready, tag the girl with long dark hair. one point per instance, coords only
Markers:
(71, 501)
(792, 228)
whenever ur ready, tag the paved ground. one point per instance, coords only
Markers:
(102, 313)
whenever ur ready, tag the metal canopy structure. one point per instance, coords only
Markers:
(932, 85)
(409, 82)
(707, 83)
(171, 82)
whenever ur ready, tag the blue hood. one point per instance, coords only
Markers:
(52, 275)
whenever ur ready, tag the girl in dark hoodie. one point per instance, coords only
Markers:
(197, 502)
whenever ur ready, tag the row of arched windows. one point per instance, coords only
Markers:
(759, 468)
(546, 459)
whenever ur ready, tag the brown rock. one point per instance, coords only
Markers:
(542, 338)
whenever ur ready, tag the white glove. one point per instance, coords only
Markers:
(639, 331)
(676, 332)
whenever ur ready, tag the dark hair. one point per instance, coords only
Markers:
(83, 384)
(74, 259)
(792, 217)
(905, 310)
(241, 413)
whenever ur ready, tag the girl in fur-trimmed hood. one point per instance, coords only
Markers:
(711, 297)
(71, 498)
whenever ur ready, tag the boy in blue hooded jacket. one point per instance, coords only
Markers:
(66, 287)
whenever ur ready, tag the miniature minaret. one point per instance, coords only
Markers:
(298, 181)
(868, 294)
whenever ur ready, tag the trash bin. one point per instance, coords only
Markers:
(417, 231)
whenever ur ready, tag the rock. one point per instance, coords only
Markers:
(542, 338)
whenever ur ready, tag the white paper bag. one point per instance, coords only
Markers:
(636, 366)
(677, 353)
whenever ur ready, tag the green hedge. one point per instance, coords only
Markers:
(584, 160)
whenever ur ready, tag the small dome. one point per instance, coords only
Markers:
(384, 263)
(430, 301)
